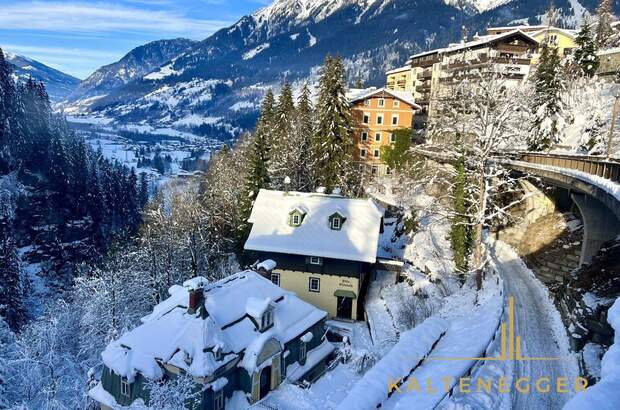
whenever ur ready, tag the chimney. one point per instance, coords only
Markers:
(196, 297)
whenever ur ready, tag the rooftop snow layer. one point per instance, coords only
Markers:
(171, 335)
(357, 240)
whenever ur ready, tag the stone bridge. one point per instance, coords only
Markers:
(592, 183)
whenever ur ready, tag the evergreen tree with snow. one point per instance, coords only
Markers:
(143, 195)
(585, 53)
(605, 16)
(258, 160)
(301, 180)
(549, 84)
(333, 137)
(282, 163)
(12, 308)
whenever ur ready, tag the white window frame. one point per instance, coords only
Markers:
(296, 220)
(376, 153)
(366, 118)
(275, 276)
(303, 351)
(396, 104)
(218, 400)
(366, 103)
(381, 102)
(379, 119)
(392, 137)
(377, 134)
(362, 153)
(336, 223)
(317, 281)
(315, 260)
(364, 136)
(395, 117)
(125, 388)
(266, 319)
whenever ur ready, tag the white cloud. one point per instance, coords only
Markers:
(102, 17)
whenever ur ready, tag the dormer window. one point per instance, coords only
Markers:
(217, 353)
(336, 221)
(266, 320)
(296, 217)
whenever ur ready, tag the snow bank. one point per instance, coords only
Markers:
(413, 346)
(606, 393)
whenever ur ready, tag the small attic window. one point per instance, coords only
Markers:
(336, 221)
(296, 217)
(217, 353)
(266, 320)
(125, 388)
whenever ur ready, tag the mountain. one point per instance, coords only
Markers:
(135, 64)
(214, 88)
(58, 84)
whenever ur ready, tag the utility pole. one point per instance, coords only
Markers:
(614, 114)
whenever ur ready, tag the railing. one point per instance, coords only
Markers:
(594, 165)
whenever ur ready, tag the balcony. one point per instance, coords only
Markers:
(425, 75)
(423, 88)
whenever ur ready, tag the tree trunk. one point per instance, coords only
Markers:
(478, 247)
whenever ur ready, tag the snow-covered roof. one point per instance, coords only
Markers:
(568, 33)
(404, 96)
(357, 239)
(488, 39)
(398, 70)
(523, 27)
(608, 51)
(426, 53)
(171, 335)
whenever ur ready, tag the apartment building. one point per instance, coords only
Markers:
(430, 75)
(562, 39)
(376, 114)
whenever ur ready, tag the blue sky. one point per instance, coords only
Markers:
(77, 37)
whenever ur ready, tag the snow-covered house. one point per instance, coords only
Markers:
(324, 246)
(242, 333)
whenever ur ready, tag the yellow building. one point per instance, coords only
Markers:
(324, 246)
(562, 39)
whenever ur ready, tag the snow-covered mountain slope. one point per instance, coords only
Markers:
(214, 87)
(135, 64)
(59, 85)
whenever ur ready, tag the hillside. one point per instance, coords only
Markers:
(58, 84)
(214, 88)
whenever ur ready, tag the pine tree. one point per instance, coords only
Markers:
(585, 53)
(304, 128)
(11, 292)
(282, 163)
(333, 138)
(548, 105)
(605, 16)
(143, 192)
(8, 101)
(258, 158)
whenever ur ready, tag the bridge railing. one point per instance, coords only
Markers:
(600, 166)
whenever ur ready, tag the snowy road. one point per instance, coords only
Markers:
(540, 327)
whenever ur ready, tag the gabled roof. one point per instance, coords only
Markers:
(404, 96)
(357, 239)
(170, 335)
(569, 33)
(398, 70)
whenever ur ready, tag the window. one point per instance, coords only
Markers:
(374, 170)
(392, 137)
(396, 104)
(296, 219)
(381, 102)
(125, 388)
(314, 285)
(336, 223)
(395, 119)
(267, 319)
(377, 153)
(379, 119)
(302, 351)
(378, 137)
(275, 279)
(366, 118)
(217, 354)
(315, 260)
(366, 103)
(218, 400)
(364, 136)
(362, 153)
